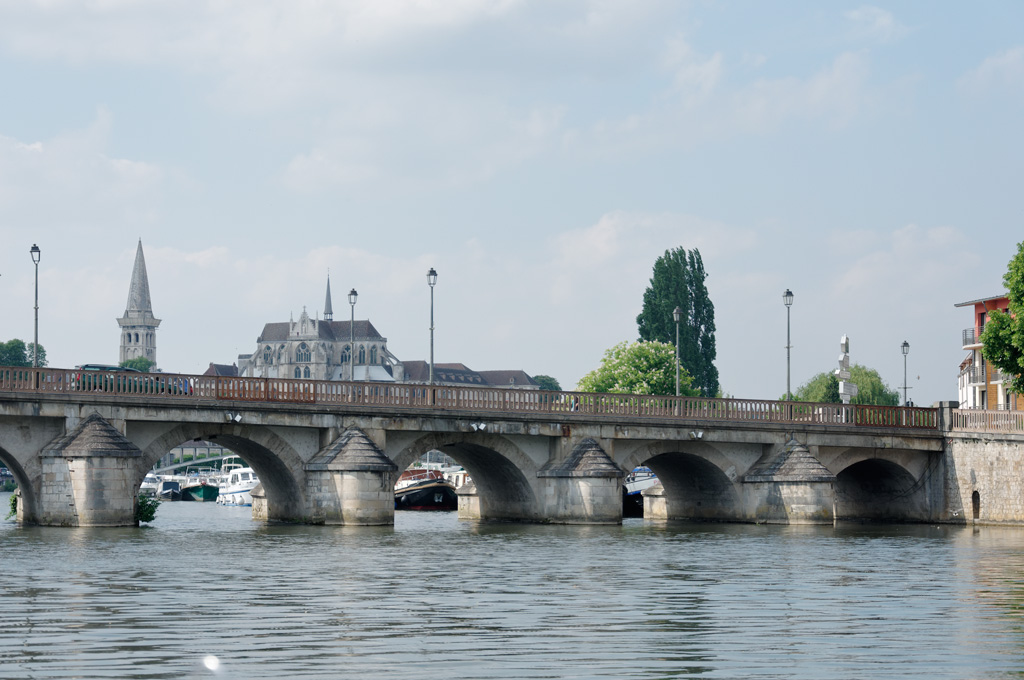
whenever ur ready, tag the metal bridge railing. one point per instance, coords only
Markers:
(448, 397)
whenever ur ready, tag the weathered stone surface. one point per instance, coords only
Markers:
(353, 450)
(587, 459)
(794, 463)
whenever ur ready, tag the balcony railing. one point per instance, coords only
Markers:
(972, 337)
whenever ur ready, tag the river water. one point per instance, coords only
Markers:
(205, 592)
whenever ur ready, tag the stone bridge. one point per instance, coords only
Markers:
(80, 444)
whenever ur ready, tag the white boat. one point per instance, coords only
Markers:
(149, 485)
(238, 485)
(636, 481)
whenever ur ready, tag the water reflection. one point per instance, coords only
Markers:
(207, 592)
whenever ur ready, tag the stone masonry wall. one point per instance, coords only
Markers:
(992, 468)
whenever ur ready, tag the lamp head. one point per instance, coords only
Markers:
(35, 252)
(677, 313)
(431, 277)
(352, 295)
(787, 297)
(905, 347)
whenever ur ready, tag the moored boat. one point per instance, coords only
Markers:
(632, 497)
(237, 489)
(149, 485)
(420, 489)
(200, 485)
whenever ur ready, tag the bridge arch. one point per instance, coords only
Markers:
(878, 489)
(276, 462)
(505, 477)
(29, 510)
(699, 481)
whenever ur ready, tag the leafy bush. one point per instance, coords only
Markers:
(145, 509)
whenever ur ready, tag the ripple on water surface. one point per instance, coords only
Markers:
(207, 592)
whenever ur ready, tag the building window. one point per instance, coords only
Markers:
(362, 354)
(373, 354)
(298, 372)
(136, 337)
(303, 354)
(305, 372)
(346, 354)
(268, 355)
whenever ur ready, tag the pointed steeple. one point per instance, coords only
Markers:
(138, 325)
(328, 309)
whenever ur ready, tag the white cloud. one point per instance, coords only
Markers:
(1003, 71)
(876, 23)
(72, 176)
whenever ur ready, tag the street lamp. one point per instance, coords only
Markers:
(431, 280)
(905, 347)
(36, 253)
(787, 299)
(352, 295)
(676, 313)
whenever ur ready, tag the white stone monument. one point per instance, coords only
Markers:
(847, 390)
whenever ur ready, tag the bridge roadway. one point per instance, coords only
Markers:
(80, 444)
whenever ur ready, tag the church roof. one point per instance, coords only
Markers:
(328, 308)
(460, 374)
(326, 330)
(138, 291)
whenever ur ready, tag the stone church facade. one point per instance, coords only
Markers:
(322, 349)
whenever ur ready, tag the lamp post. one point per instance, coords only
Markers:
(676, 313)
(36, 254)
(431, 280)
(787, 299)
(352, 295)
(905, 348)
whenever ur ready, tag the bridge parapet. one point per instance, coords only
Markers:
(617, 408)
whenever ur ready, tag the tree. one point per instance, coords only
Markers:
(18, 353)
(871, 389)
(678, 281)
(546, 382)
(138, 363)
(638, 368)
(1003, 337)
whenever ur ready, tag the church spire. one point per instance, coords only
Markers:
(328, 309)
(138, 325)
(139, 303)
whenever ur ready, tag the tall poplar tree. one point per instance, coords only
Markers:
(678, 281)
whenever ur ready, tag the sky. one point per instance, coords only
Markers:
(540, 156)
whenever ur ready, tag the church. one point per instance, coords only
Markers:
(322, 349)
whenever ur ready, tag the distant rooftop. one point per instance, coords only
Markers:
(974, 302)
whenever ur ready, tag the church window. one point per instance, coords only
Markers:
(303, 353)
(298, 372)
(127, 338)
(373, 354)
(362, 354)
(136, 337)
(345, 354)
(305, 372)
(268, 355)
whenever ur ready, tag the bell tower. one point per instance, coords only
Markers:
(138, 325)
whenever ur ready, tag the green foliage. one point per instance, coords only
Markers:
(145, 508)
(871, 389)
(678, 281)
(13, 507)
(19, 353)
(638, 368)
(546, 382)
(1003, 337)
(138, 363)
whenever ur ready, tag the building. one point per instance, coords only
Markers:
(980, 385)
(325, 349)
(316, 349)
(138, 325)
